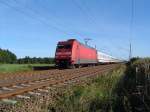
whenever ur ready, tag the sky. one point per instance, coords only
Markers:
(33, 27)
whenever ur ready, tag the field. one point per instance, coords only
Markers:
(9, 68)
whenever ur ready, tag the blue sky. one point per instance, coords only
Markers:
(33, 27)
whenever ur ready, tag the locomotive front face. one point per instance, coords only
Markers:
(63, 54)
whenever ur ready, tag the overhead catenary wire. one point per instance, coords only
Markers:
(87, 15)
(33, 17)
(88, 10)
(84, 12)
(43, 18)
(36, 12)
(120, 50)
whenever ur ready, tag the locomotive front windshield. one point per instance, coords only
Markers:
(64, 46)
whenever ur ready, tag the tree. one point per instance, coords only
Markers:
(7, 56)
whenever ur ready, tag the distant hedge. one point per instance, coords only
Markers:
(34, 60)
(7, 56)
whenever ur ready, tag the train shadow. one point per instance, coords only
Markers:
(39, 68)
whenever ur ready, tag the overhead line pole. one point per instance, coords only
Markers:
(131, 29)
(130, 52)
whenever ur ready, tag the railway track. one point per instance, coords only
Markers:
(19, 85)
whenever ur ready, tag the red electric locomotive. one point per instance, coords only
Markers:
(72, 53)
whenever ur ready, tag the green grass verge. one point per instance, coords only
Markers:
(8, 68)
(94, 97)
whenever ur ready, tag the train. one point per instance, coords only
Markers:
(73, 54)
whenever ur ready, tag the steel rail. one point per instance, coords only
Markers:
(30, 78)
(54, 82)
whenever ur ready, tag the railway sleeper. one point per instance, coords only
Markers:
(43, 90)
(7, 89)
(34, 93)
(8, 101)
(15, 86)
(22, 97)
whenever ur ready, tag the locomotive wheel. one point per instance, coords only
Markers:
(73, 66)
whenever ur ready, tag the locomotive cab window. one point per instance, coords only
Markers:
(60, 46)
(64, 46)
(68, 46)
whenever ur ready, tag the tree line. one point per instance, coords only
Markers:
(35, 60)
(7, 57)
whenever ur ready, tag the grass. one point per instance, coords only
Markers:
(8, 68)
(94, 97)
(136, 75)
